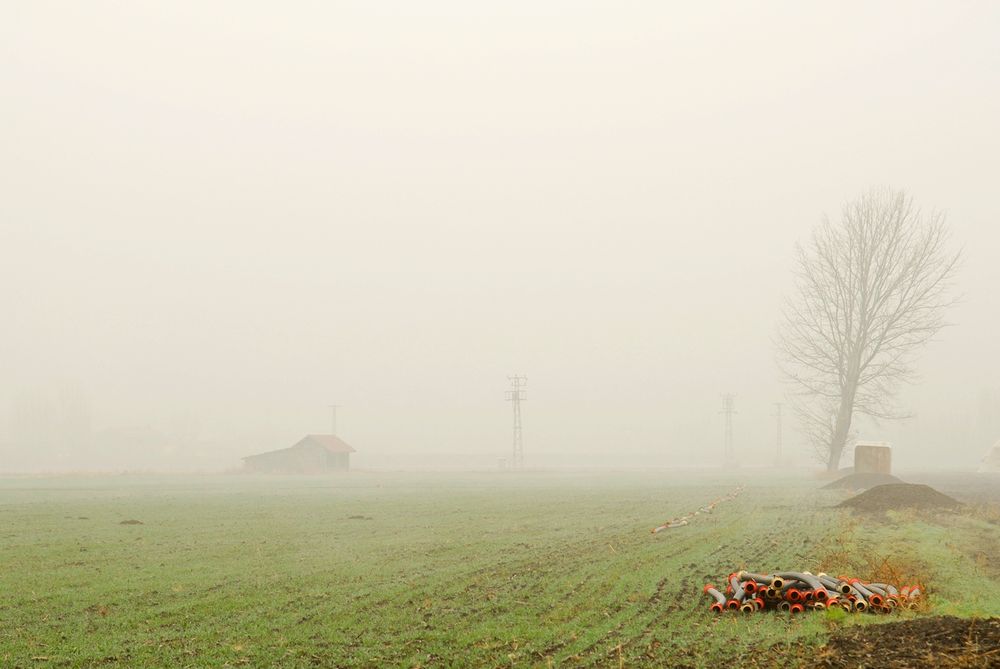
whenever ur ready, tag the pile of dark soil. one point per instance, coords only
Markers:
(900, 496)
(943, 641)
(861, 481)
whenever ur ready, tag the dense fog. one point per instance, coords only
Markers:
(218, 219)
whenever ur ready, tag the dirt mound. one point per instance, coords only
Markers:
(943, 641)
(900, 496)
(861, 481)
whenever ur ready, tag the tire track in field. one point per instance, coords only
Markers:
(590, 552)
(582, 547)
(588, 562)
(651, 607)
(758, 551)
(751, 549)
(594, 568)
(589, 549)
(657, 609)
(559, 645)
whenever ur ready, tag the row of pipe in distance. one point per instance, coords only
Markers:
(681, 521)
(796, 591)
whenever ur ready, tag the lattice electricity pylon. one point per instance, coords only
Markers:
(514, 396)
(778, 433)
(333, 422)
(728, 408)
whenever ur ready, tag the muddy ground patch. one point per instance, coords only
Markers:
(939, 641)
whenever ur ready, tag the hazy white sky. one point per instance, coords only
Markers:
(225, 216)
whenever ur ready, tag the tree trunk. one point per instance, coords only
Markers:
(836, 451)
(838, 439)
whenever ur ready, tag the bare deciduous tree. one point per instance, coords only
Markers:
(870, 292)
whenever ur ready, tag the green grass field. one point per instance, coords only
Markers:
(439, 570)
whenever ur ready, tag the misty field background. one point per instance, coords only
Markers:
(394, 569)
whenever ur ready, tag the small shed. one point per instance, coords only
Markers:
(313, 454)
(872, 457)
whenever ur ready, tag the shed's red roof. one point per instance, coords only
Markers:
(330, 442)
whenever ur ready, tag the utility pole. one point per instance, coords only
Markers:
(728, 409)
(333, 424)
(777, 416)
(514, 396)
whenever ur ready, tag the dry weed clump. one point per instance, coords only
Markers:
(875, 562)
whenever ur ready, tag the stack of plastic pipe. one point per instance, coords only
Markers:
(798, 591)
